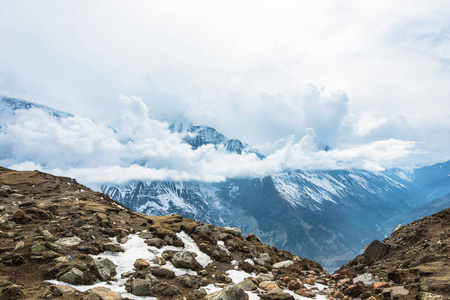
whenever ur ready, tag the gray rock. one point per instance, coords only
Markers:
(204, 229)
(69, 241)
(283, 264)
(112, 247)
(171, 291)
(159, 260)
(247, 285)
(141, 287)
(163, 273)
(105, 268)
(37, 248)
(230, 292)
(223, 249)
(183, 260)
(155, 242)
(366, 278)
(74, 276)
(234, 230)
(395, 292)
(266, 277)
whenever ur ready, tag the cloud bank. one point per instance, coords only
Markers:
(141, 148)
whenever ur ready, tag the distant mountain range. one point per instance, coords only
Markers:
(324, 215)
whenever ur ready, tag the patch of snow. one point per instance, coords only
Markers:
(211, 288)
(135, 248)
(190, 245)
(238, 276)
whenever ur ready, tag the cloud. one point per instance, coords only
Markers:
(141, 148)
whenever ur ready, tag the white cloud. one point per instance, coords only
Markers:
(261, 71)
(143, 148)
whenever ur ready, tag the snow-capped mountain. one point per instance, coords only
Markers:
(9, 106)
(327, 216)
(197, 136)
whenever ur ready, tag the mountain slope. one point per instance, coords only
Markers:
(322, 215)
(415, 256)
(60, 240)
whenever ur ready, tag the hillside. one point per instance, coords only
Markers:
(416, 256)
(53, 229)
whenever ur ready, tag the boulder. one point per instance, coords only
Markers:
(112, 247)
(69, 241)
(171, 291)
(366, 278)
(185, 260)
(159, 260)
(283, 264)
(277, 294)
(268, 285)
(247, 285)
(141, 287)
(155, 242)
(395, 292)
(104, 293)
(74, 276)
(163, 273)
(375, 250)
(105, 268)
(233, 230)
(230, 292)
(204, 229)
(141, 263)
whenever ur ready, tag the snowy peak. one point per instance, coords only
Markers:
(198, 136)
(9, 106)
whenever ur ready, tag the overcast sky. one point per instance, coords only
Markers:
(352, 74)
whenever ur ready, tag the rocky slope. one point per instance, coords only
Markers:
(416, 257)
(55, 231)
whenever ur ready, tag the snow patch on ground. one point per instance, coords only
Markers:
(238, 276)
(136, 248)
(190, 245)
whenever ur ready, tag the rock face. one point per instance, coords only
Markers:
(415, 257)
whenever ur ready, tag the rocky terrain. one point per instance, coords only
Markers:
(60, 240)
(416, 257)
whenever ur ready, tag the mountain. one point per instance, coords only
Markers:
(415, 257)
(9, 106)
(60, 240)
(198, 136)
(433, 180)
(327, 216)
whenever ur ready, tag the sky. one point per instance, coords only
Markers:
(370, 80)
